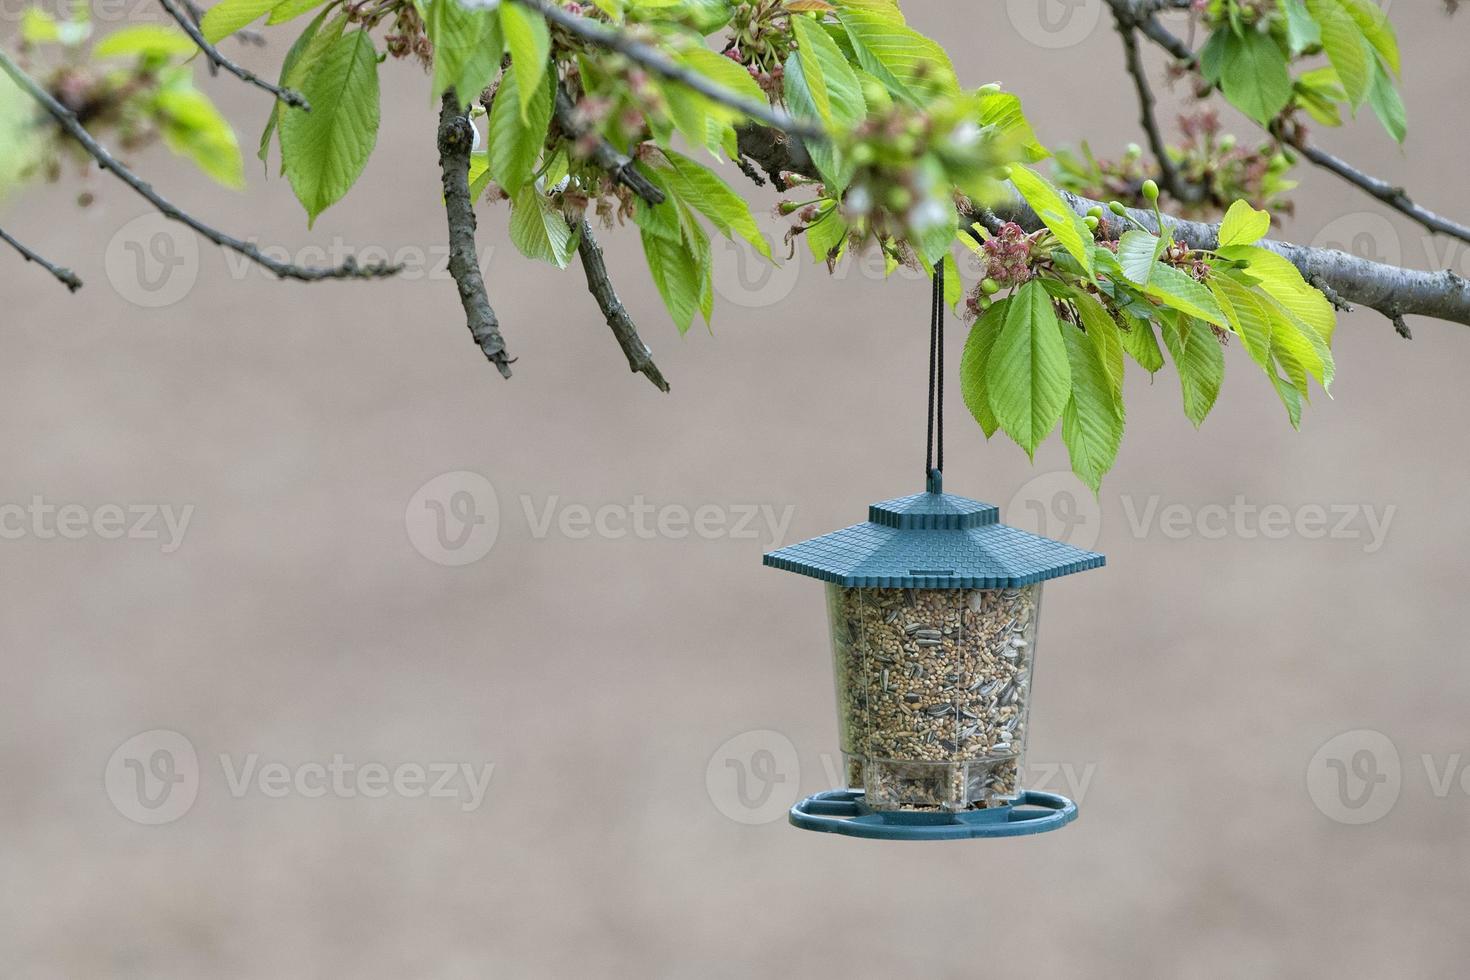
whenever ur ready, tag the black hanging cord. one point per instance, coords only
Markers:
(934, 464)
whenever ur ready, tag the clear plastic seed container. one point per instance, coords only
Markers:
(932, 693)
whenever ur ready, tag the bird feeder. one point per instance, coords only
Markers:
(934, 606)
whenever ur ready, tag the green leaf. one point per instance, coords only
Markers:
(658, 219)
(1027, 373)
(954, 287)
(293, 66)
(1212, 56)
(702, 189)
(529, 42)
(836, 91)
(834, 166)
(1141, 344)
(725, 73)
(1200, 363)
(1254, 74)
(194, 128)
(1293, 339)
(1282, 281)
(538, 229)
(39, 27)
(702, 121)
(974, 387)
(1001, 111)
(826, 236)
(1290, 397)
(934, 238)
(1296, 372)
(1301, 30)
(290, 9)
(1244, 225)
(908, 63)
(228, 16)
(1387, 105)
(704, 16)
(467, 48)
(479, 175)
(1106, 336)
(1180, 291)
(516, 138)
(1052, 209)
(1318, 92)
(676, 274)
(1372, 20)
(1248, 317)
(1138, 254)
(1346, 47)
(689, 112)
(1092, 422)
(147, 40)
(697, 243)
(886, 10)
(325, 150)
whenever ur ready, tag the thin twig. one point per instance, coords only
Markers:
(1166, 39)
(1390, 195)
(1169, 177)
(1325, 288)
(185, 21)
(1393, 197)
(1400, 326)
(456, 139)
(285, 270)
(640, 358)
(622, 167)
(64, 275)
(649, 57)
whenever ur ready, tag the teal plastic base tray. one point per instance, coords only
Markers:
(842, 811)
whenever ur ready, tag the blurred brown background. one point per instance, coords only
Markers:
(1185, 688)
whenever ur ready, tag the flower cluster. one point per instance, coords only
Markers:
(408, 37)
(760, 39)
(1008, 255)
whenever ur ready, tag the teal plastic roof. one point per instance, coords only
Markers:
(933, 540)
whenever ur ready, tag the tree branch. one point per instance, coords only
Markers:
(775, 151)
(456, 139)
(1389, 289)
(1169, 177)
(285, 270)
(1394, 197)
(64, 275)
(640, 358)
(604, 154)
(654, 60)
(185, 20)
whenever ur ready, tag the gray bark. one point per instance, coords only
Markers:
(456, 140)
